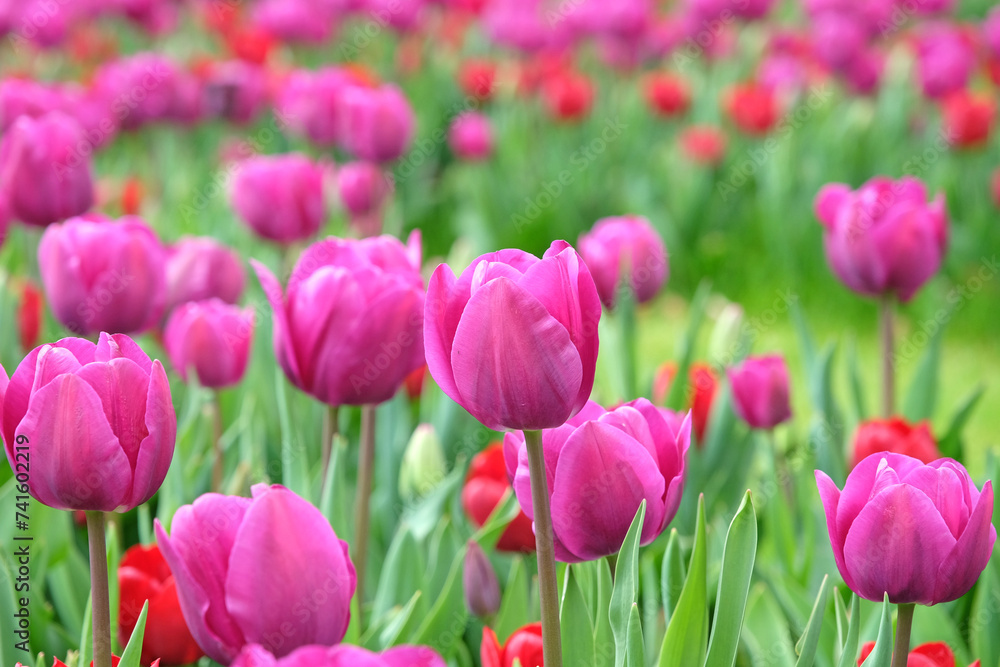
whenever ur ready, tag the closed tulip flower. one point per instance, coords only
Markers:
(667, 95)
(280, 197)
(485, 486)
(883, 237)
(341, 656)
(760, 391)
(600, 465)
(97, 422)
(482, 590)
(513, 340)
(212, 338)
(945, 61)
(236, 90)
(144, 575)
(45, 171)
(968, 119)
(524, 645)
(921, 533)
(101, 275)
(311, 103)
(141, 89)
(199, 268)
(265, 570)
(625, 250)
(364, 191)
(378, 123)
(752, 108)
(894, 435)
(348, 330)
(471, 137)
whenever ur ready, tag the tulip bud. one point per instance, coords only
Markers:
(280, 197)
(752, 108)
(760, 391)
(723, 344)
(212, 338)
(471, 137)
(378, 123)
(236, 91)
(200, 268)
(968, 119)
(414, 383)
(364, 190)
(945, 60)
(568, 96)
(423, 465)
(625, 250)
(482, 590)
(476, 78)
(703, 144)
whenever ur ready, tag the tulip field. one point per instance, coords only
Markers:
(498, 333)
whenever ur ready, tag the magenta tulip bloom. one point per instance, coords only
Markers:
(471, 137)
(760, 391)
(310, 104)
(293, 20)
(363, 190)
(266, 570)
(920, 532)
(45, 169)
(600, 465)
(101, 275)
(140, 89)
(991, 32)
(349, 328)
(212, 338)
(95, 421)
(343, 655)
(280, 197)
(236, 90)
(945, 61)
(883, 237)
(199, 268)
(616, 246)
(377, 123)
(513, 340)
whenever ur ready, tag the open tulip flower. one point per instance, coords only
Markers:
(341, 656)
(921, 533)
(932, 654)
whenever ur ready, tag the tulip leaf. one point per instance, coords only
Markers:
(626, 586)
(8, 607)
(850, 649)
(604, 638)
(635, 654)
(687, 633)
(982, 635)
(505, 511)
(810, 638)
(401, 625)
(334, 500)
(922, 394)
(294, 473)
(445, 624)
(734, 584)
(87, 636)
(672, 574)
(353, 635)
(855, 382)
(132, 652)
(402, 572)
(696, 315)
(576, 626)
(950, 443)
(881, 655)
(651, 605)
(515, 603)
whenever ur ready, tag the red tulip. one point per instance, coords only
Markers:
(132, 196)
(894, 435)
(752, 108)
(524, 645)
(968, 119)
(29, 315)
(144, 575)
(114, 662)
(703, 385)
(665, 375)
(251, 44)
(485, 485)
(414, 383)
(667, 95)
(933, 654)
(703, 144)
(568, 95)
(477, 79)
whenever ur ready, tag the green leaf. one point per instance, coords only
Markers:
(855, 382)
(881, 655)
(505, 511)
(810, 638)
(951, 443)
(402, 572)
(403, 624)
(983, 635)
(672, 574)
(922, 394)
(604, 638)
(678, 387)
(87, 636)
(635, 654)
(515, 604)
(848, 657)
(8, 607)
(734, 584)
(132, 652)
(576, 626)
(687, 632)
(626, 586)
(445, 624)
(294, 473)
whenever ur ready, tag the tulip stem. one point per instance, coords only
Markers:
(904, 620)
(331, 428)
(545, 551)
(366, 466)
(100, 596)
(627, 332)
(888, 364)
(217, 465)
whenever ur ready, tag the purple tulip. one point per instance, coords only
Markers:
(213, 338)
(140, 89)
(600, 465)
(471, 136)
(311, 104)
(377, 123)
(349, 328)
(266, 570)
(760, 391)
(945, 61)
(341, 656)
(513, 340)
(95, 420)
(884, 237)
(101, 275)
(616, 246)
(482, 590)
(920, 532)
(280, 197)
(199, 268)
(236, 90)
(45, 169)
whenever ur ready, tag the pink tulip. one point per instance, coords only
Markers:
(101, 275)
(45, 169)
(920, 532)
(627, 245)
(24, 97)
(311, 104)
(236, 90)
(402, 15)
(364, 190)
(838, 37)
(4, 218)
(760, 391)
(864, 72)
(266, 570)
(513, 340)
(341, 656)
(293, 20)
(471, 136)
(96, 422)
(199, 268)
(139, 89)
(991, 32)
(883, 237)
(377, 123)
(945, 61)
(280, 197)
(212, 338)
(349, 329)
(600, 465)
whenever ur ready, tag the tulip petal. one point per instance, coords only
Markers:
(412, 656)
(4, 381)
(51, 363)
(286, 553)
(119, 345)
(830, 495)
(829, 201)
(515, 365)
(962, 566)
(944, 487)
(345, 655)
(283, 346)
(490, 651)
(858, 488)
(602, 476)
(255, 655)
(442, 311)
(895, 545)
(122, 387)
(77, 461)
(157, 448)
